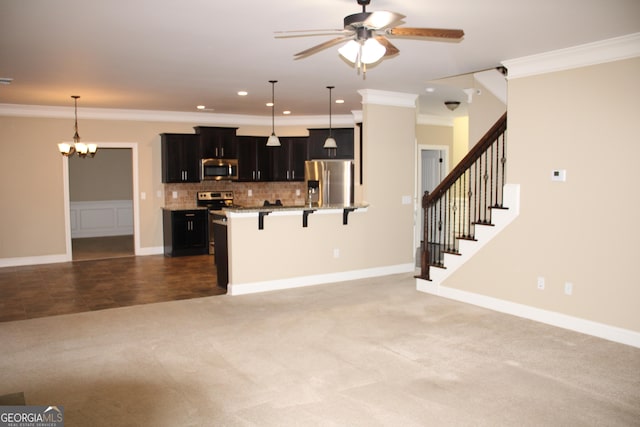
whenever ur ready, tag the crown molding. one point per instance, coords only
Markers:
(609, 50)
(51, 112)
(393, 99)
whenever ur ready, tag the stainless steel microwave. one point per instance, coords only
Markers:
(219, 169)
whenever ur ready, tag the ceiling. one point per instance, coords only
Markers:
(172, 55)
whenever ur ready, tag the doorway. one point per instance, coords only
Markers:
(101, 210)
(433, 166)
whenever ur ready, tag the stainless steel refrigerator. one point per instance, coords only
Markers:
(329, 182)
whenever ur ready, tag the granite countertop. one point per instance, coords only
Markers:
(293, 208)
(184, 208)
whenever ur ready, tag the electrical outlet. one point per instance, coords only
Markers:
(568, 288)
(297, 191)
(336, 253)
(174, 194)
(143, 196)
(249, 192)
(541, 283)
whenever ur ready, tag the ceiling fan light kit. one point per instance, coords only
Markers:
(366, 36)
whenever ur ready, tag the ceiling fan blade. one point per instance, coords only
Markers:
(382, 19)
(442, 33)
(322, 46)
(391, 49)
(307, 33)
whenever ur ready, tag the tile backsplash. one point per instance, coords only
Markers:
(289, 193)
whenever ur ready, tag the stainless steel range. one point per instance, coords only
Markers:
(215, 201)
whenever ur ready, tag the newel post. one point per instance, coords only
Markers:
(425, 256)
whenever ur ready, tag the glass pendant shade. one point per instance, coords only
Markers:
(273, 141)
(66, 149)
(330, 142)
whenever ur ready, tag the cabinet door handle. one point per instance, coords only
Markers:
(293, 174)
(253, 175)
(222, 151)
(258, 175)
(189, 214)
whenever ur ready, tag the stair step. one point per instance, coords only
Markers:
(469, 238)
(488, 224)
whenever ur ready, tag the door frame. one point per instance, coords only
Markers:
(136, 206)
(418, 197)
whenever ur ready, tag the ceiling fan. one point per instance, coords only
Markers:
(366, 36)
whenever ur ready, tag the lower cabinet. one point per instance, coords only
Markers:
(185, 232)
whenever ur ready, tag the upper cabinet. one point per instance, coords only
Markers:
(344, 141)
(253, 158)
(180, 157)
(217, 142)
(287, 161)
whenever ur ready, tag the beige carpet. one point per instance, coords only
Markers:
(363, 353)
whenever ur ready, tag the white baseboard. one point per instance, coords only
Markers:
(298, 282)
(151, 250)
(600, 330)
(33, 260)
(101, 218)
(53, 259)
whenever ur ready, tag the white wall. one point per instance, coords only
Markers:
(584, 120)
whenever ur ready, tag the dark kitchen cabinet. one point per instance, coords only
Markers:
(180, 158)
(217, 142)
(253, 158)
(344, 141)
(287, 161)
(185, 232)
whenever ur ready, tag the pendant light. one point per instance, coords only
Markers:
(330, 142)
(273, 140)
(79, 148)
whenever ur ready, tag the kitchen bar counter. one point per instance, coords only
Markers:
(279, 247)
(303, 210)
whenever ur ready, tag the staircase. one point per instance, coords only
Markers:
(467, 209)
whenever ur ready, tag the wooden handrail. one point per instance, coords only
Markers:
(485, 142)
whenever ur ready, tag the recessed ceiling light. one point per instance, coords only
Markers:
(243, 93)
(430, 89)
(201, 107)
(339, 101)
(269, 104)
(286, 112)
(5, 80)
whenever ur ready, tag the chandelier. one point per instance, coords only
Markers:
(80, 148)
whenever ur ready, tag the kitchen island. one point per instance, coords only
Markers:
(280, 247)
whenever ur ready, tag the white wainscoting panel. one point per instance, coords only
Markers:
(101, 218)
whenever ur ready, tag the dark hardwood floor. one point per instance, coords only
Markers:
(52, 289)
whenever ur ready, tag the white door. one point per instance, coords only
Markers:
(433, 169)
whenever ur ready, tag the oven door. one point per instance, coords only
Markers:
(219, 169)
